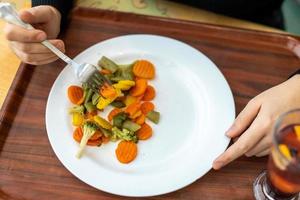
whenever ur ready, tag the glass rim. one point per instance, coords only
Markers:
(276, 130)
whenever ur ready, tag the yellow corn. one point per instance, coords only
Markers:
(297, 131)
(77, 119)
(285, 151)
(103, 103)
(130, 100)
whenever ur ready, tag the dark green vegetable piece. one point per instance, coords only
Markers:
(106, 63)
(95, 98)
(124, 72)
(118, 104)
(119, 119)
(77, 109)
(107, 133)
(88, 96)
(153, 116)
(123, 134)
(131, 126)
(90, 107)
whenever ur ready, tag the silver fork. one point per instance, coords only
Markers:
(84, 72)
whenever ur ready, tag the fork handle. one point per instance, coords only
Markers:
(9, 14)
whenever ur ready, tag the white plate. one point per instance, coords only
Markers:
(196, 106)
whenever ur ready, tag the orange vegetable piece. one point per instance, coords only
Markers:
(90, 115)
(113, 113)
(105, 139)
(147, 107)
(77, 135)
(140, 120)
(108, 91)
(126, 151)
(96, 135)
(144, 132)
(97, 142)
(139, 88)
(75, 94)
(133, 108)
(105, 71)
(149, 93)
(144, 69)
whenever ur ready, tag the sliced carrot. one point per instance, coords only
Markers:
(108, 91)
(113, 113)
(77, 135)
(149, 93)
(97, 142)
(140, 120)
(96, 135)
(126, 151)
(144, 69)
(105, 139)
(139, 88)
(136, 115)
(133, 108)
(90, 115)
(144, 132)
(147, 107)
(75, 94)
(105, 71)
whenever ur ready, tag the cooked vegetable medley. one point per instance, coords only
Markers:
(130, 95)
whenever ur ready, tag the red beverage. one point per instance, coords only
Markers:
(283, 176)
(281, 180)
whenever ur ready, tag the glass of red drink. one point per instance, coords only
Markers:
(281, 180)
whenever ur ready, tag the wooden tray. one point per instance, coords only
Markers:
(251, 61)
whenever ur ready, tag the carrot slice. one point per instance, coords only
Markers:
(144, 132)
(97, 142)
(96, 135)
(144, 69)
(126, 151)
(140, 120)
(77, 135)
(108, 91)
(149, 93)
(113, 113)
(105, 71)
(105, 139)
(133, 108)
(147, 107)
(139, 88)
(75, 94)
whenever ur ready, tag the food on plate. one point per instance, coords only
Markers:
(129, 101)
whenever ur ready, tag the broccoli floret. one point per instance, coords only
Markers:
(89, 128)
(123, 134)
(77, 109)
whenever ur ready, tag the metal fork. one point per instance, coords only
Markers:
(84, 72)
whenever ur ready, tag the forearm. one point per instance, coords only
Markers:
(63, 6)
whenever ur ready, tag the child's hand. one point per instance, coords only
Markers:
(26, 43)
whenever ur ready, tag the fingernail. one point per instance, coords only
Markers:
(229, 131)
(41, 36)
(218, 165)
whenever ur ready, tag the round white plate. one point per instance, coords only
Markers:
(196, 106)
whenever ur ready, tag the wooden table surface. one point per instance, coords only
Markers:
(9, 62)
(251, 62)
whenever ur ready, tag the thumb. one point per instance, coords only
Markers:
(38, 14)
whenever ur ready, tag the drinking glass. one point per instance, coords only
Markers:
(281, 180)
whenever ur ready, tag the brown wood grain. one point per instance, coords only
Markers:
(251, 62)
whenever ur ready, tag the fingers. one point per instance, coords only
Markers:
(264, 144)
(246, 141)
(37, 14)
(244, 119)
(37, 48)
(264, 153)
(19, 34)
(36, 54)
